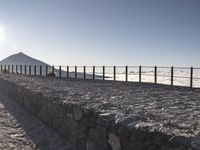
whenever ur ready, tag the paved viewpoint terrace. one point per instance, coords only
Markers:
(106, 115)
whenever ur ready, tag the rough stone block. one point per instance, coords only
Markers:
(114, 141)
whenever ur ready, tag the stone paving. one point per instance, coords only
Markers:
(136, 115)
(174, 110)
(21, 131)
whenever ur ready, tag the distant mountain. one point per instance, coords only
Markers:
(22, 59)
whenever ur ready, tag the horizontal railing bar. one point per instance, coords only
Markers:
(196, 78)
(148, 67)
(106, 66)
(128, 73)
(182, 68)
(181, 77)
(161, 67)
(164, 76)
(147, 74)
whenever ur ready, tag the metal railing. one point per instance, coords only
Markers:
(182, 76)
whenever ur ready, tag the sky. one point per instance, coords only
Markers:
(102, 32)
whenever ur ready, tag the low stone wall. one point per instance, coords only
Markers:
(87, 128)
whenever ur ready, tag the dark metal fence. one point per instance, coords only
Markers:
(182, 76)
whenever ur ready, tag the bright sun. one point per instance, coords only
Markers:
(2, 35)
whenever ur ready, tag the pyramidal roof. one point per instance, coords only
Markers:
(22, 59)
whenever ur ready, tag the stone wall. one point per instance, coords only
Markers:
(84, 127)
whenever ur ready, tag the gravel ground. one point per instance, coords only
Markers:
(20, 131)
(172, 110)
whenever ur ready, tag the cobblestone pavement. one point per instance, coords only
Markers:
(20, 131)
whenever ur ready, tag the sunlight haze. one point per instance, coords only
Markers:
(2, 35)
(91, 32)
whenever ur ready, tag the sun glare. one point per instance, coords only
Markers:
(2, 35)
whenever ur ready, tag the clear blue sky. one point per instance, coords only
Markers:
(103, 32)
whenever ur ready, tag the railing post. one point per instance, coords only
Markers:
(84, 70)
(93, 72)
(53, 70)
(67, 71)
(16, 69)
(12, 69)
(103, 72)
(20, 69)
(46, 70)
(8, 68)
(29, 69)
(114, 73)
(172, 76)
(155, 75)
(75, 72)
(59, 71)
(126, 73)
(35, 70)
(40, 70)
(191, 77)
(25, 69)
(140, 74)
